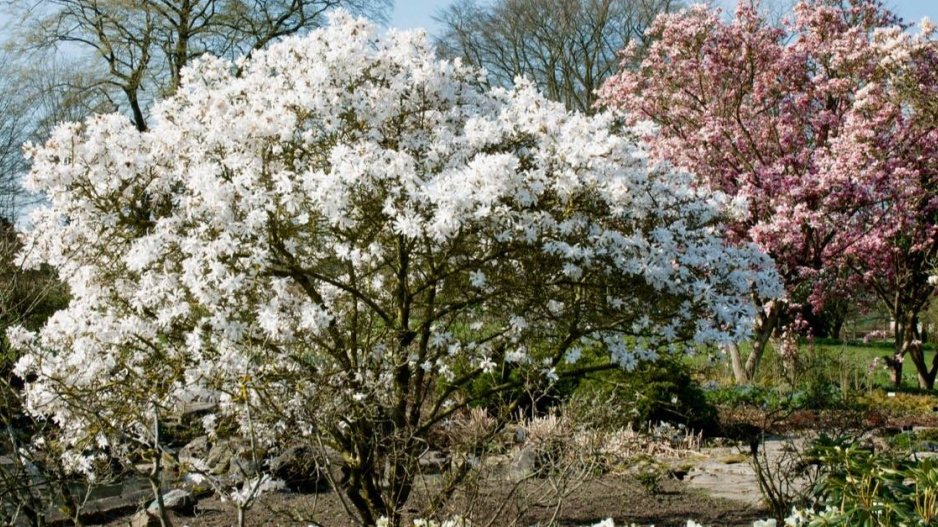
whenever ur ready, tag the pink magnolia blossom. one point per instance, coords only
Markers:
(755, 110)
(825, 126)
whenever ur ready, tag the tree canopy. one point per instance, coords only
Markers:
(334, 236)
(784, 117)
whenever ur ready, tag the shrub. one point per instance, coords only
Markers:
(864, 488)
(661, 391)
(333, 237)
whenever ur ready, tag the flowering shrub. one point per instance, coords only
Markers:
(335, 240)
(816, 123)
(608, 522)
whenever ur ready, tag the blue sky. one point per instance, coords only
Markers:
(410, 14)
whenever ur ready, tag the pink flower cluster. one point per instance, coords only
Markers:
(824, 125)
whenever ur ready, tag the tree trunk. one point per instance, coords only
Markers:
(837, 327)
(155, 484)
(895, 363)
(758, 346)
(932, 374)
(69, 507)
(765, 326)
(739, 371)
(156, 473)
(895, 367)
(912, 348)
(926, 377)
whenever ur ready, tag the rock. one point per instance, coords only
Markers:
(196, 409)
(677, 473)
(523, 463)
(889, 431)
(498, 463)
(178, 500)
(195, 449)
(144, 519)
(234, 460)
(433, 462)
(219, 457)
(240, 469)
(299, 468)
(737, 481)
(189, 413)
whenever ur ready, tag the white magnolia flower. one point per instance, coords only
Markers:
(297, 226)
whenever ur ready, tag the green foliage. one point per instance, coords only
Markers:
(902, 403)
(27, 297)
(915, 441)
(649, 476)
(761, 397)
(525, 394)
(864, 488)
(660, 391)
(652, 393)
(885, 345)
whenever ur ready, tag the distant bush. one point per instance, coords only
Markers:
(663, 391)
(901, 403)
(763, 397)
(878, 344)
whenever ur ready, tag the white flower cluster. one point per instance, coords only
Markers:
(690, 523)
(348, 207)
(458, 522)
(608, 522)
(896, 45)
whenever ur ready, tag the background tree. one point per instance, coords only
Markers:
(890, 141)
(755, 111)
(15, 127)
(567, 47)
(26, 297)
(335, 240)
(134, 51)
(32, 482)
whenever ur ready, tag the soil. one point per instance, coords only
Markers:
(615, 496)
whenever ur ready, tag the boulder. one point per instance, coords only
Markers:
(218, 459)
(523, 463)
(433, 462)
(196, 409)
(198, 448)
(242, 469)
(144, 519)
(179, 500)
(300, 469)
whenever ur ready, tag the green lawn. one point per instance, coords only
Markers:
(848, 365)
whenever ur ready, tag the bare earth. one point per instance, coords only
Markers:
(608, 496)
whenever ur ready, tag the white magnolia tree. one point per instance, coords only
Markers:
(335, 241)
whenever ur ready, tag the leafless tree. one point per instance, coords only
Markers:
(567, 47)
(136, 50)
(14, 129)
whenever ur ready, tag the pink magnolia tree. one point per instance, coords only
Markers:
(890, 142)
(760, 112)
